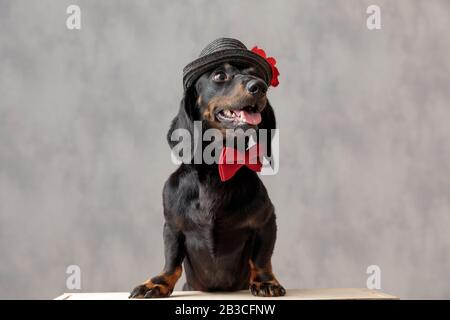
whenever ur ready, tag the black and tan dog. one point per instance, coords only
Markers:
(222, 231)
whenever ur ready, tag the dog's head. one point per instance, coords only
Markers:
(229, 96)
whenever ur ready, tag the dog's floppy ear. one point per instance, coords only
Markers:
(268, 122)
(185, 117)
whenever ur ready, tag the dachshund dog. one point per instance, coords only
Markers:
(222, 231)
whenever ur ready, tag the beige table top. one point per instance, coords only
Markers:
(292, 294)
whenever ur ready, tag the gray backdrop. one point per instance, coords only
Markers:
(364, 139)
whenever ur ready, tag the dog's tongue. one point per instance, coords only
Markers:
(253, 118)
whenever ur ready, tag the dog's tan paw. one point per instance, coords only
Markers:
(157, 287)
(150, 290)
(267, 289)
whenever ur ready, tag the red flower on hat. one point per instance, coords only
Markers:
(271, 60)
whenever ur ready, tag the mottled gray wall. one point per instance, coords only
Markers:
(364, 133)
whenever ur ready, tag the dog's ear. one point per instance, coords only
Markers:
(268, 122)
(185, 117)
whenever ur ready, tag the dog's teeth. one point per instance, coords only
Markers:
(227, 113)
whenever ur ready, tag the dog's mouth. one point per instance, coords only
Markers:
(246, 115)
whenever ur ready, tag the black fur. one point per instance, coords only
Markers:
(216, 228)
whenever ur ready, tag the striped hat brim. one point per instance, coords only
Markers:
(212, 60)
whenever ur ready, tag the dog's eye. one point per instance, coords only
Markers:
(220, 76)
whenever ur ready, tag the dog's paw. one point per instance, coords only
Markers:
(150, 290)
(160, 286)
(267, 289)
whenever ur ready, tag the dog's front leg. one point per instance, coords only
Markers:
(262, 281)
(162, 285)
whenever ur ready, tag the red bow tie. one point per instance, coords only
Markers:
(231, 160)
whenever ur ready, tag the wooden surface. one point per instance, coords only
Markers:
(292, 294)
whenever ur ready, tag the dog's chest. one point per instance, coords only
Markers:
(218, 222)
(219, 209)
(217, 237)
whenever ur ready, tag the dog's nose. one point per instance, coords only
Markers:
(256, 87)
